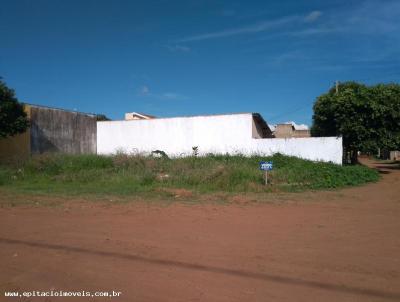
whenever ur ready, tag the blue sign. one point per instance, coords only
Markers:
(266, 165)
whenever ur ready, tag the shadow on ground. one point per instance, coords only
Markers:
(212, 269)
(387, 167)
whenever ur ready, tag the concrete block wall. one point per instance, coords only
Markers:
(219, 134)
(175, 136)
(325, 149)
(55, 130)
(51, 130)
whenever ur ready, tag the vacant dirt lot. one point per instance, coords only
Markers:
(323, 246)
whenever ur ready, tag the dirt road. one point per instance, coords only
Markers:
(323, 246)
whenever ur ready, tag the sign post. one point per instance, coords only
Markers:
(266, 166)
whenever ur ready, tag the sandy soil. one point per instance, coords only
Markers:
(322, 246)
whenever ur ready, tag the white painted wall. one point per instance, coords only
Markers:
(327, 149)
(175, 135)
(212, 134)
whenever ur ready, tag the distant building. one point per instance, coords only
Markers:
(137, 116)
(394, 155)
(52, 130)
(290, 129)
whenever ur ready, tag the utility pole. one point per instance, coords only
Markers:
(337, 87)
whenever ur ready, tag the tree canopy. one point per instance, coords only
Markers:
(102, 117)
(13, 119)
(368, 117)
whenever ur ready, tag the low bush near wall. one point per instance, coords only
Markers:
(123, 174)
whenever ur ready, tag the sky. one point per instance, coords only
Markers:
(179, 58)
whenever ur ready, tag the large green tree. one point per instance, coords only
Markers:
(13, 119)
(368, 117)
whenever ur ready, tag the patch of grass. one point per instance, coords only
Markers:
(5, 176)
(131, 175)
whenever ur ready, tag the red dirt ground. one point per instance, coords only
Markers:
(321, 246)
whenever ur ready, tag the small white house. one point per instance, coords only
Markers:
(243, 133)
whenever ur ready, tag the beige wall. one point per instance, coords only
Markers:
(287, 131)
(284, 130)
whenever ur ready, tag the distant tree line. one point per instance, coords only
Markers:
(368, 117)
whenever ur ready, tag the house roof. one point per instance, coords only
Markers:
(294, 125)
(298, 127)
(142, 115)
